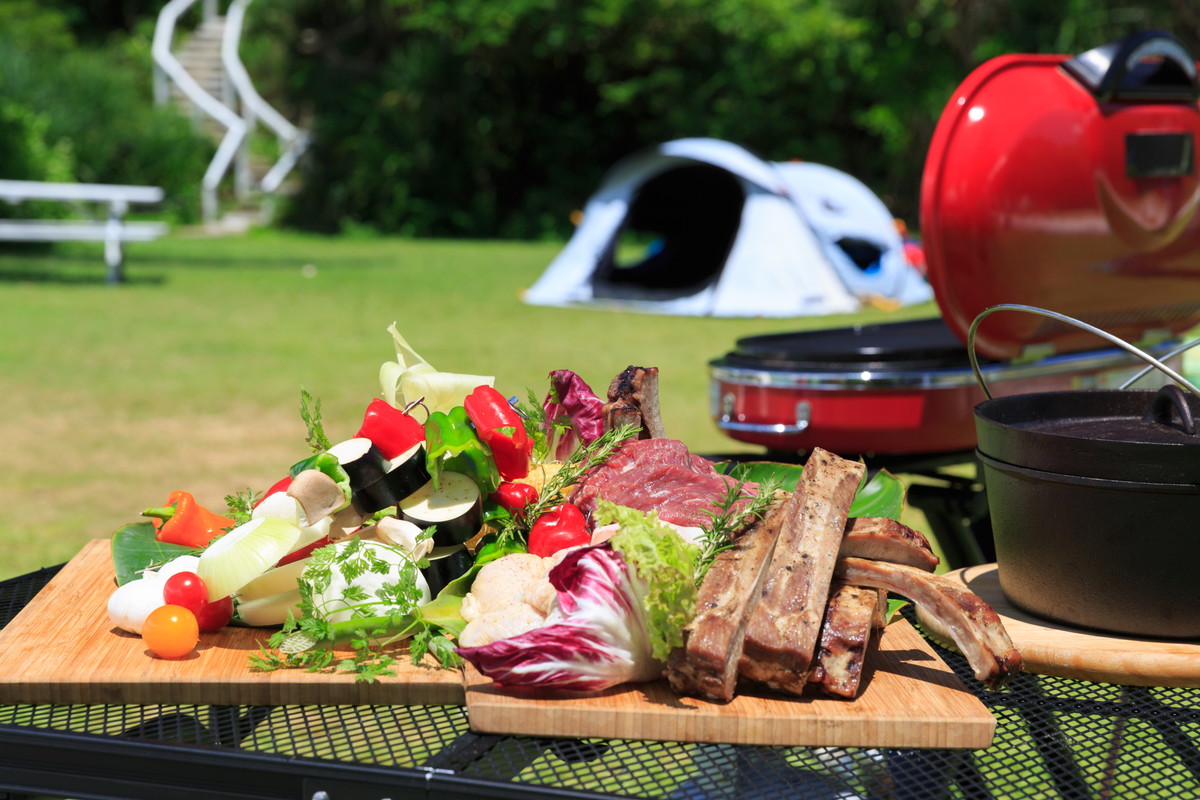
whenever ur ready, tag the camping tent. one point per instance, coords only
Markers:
(703, 227)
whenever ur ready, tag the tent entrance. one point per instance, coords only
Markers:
(677, 235)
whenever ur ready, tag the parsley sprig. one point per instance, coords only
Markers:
(380, 616)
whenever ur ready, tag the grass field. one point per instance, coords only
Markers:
(189, 375)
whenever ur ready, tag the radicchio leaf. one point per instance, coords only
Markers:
(596, 639)
(574, 412)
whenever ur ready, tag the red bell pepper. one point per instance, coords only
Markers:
(186, 522)
(390, 429)
(558, 528)
(280, 485)
(501, 428)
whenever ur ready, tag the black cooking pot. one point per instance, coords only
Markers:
(1094, 498)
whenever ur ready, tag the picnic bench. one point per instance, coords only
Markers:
(112, 228)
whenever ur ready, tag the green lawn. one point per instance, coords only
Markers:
(189, 375)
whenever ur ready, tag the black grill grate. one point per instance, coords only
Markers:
(1056, 738)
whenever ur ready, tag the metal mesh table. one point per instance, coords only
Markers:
(1055, 737)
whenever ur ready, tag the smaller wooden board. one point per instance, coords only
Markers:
(61, 648)
(1051, 648)
(909, 698)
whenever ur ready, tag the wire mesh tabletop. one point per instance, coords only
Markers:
(1055, 737)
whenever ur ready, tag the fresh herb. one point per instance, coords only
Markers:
(240, 506)
(667, 564)
(537, 424)
(578, 464)
(733, 512)
(310, 412)
(382, 595)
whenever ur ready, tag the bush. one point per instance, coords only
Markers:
(82, 114)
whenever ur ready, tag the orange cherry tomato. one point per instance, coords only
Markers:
(171, 631)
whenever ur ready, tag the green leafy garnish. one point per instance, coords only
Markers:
(382, 612)
(310, 413)
(240, 506)
(731, 515)
(136, 548)
(667, 564)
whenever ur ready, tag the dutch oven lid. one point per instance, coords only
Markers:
(1138, 436)
(1069, 183)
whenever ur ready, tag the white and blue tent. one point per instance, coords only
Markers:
(703, 227)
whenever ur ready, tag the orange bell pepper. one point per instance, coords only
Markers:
(185, 522)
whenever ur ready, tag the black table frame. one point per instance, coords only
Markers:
(1055, 737)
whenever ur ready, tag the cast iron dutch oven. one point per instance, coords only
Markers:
(1095, 500)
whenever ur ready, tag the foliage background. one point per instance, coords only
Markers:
(496, 119)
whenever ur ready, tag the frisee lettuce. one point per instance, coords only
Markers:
(667, 564)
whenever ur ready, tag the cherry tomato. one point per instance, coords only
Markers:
(186, 589)
(171, 631)
(215, 615)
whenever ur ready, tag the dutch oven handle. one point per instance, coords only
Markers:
(1169, 404)
(1153, 362)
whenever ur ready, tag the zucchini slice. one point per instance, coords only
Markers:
(455, 508)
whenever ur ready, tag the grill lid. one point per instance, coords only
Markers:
(1069, 184)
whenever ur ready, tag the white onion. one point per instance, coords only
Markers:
(247, 551)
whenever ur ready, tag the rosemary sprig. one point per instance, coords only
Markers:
(732, 515)
(578, 464)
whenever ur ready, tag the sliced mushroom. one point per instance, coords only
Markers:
(317, 493)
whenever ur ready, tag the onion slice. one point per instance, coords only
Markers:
(247, 551)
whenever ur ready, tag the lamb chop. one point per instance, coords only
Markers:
(781, 637)
(707, 664)
(971, 622)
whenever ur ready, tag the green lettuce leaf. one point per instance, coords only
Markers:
(667, 564)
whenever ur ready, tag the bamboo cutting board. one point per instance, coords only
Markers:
(910, 698)
(1051, 648)
(62, 648)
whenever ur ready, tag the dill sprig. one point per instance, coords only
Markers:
(310, 413)
(730, 516)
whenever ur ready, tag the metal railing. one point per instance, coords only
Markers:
(292, 140)
(234, 144)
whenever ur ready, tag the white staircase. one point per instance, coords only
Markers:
(206, 74)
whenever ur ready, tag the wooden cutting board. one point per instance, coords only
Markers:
(61, 648)
(910, 698)
(1051, 648)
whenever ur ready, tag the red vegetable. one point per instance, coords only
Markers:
(391, 430)
(280, 485)
(501, 428)
(560, 527)
(571, 404)
(514, 497)
(186, 522)
(187, 590)
(304, 552)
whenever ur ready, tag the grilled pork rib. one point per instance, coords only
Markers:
(884, 539)
(781, 637)
(854, 613)
(707, 664)
(633, 398)
(971, 622)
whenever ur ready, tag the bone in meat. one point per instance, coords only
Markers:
(884, 539)
(964, 616)
(707, 663)
(853, 614)
(633, 397)
(782, 635)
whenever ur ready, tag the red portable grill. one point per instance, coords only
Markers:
(1064, 183)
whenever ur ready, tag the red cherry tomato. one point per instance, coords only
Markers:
(186, 589)
(215, 615)
(171, 631)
